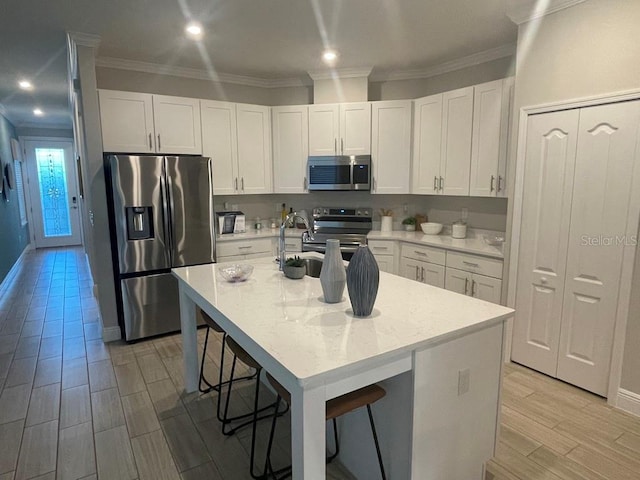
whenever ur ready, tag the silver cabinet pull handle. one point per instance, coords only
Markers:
(342, 145)
(245, 247)
(435, 183)
(379, 248)
(242, 183)
(492, 181)
(418, 252)
(374, 184)
(304, 183)
(441, 183)
(159, 144)
(422, 276)
(466, 285)
(499, 189)
(473, 288)
(417, 270)
(471, 264)
(236, 188)
(150, 144)
(335, 146)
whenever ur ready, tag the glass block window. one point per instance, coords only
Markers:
(54, 199)
(17, 168)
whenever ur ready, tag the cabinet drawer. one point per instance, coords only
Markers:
(382, 247)
(244, 247)
(491, 267)
(291, 245)
(426, 254)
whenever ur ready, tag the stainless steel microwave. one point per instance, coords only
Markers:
(340, 172)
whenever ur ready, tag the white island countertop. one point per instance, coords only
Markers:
(289, 321)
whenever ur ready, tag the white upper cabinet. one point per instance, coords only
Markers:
(455, 160)
(177, 125)
(127, 122)
(254, 148)
(340, 129)
(220, 142)
(489, 143)
(144, 123)
(427, 138)
(238, 139)
(290, 129)
(391, 146)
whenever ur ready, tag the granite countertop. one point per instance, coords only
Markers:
(474, 243)
(288, 320)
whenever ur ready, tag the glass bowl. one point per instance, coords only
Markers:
(236, 273)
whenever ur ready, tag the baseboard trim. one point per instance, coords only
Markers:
(12, 271)
(111, 334)
(628, 401)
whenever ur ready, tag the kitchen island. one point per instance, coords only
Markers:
(437, 353)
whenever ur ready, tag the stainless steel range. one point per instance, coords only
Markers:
(349, 225)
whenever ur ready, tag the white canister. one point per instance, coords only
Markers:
(459, 230)
(386, 224)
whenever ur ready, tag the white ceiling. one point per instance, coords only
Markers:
(266, 39)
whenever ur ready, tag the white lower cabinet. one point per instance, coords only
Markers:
(386, 254)
(474, 285)
(423, 264)
(243, 249)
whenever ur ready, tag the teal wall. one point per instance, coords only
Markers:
(13, 237)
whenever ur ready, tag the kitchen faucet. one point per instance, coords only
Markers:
(281, 244)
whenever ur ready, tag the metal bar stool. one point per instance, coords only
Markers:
(335, 407)
(212, 325)
(240, 353)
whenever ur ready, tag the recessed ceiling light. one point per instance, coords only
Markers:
(37, 112)
(329, 56)
(25, 85)
(194, 30)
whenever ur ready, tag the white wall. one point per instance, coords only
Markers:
(589, 49)
(340, 90)
(44, 132)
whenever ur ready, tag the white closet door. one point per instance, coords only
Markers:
(607, 150)
(549, 167)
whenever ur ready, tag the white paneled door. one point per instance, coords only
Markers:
(607, 153)
(578, 224)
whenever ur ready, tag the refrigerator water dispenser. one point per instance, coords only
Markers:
(139, 224)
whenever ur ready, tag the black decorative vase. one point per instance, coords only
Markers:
(363, 277)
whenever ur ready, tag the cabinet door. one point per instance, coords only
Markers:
(455, 163)
(604, 222)
(177, 122)
(391, 146)
(355, 129)
(432, 274)
(427, 141)
(507, 102)
(410, 268)
(254, 148)
(486, 288)
(220, 142)
(487, 145)
(546, 208)
(290, 148)
(457, 281)
(385, 263)
(127, 122)
(324, 129)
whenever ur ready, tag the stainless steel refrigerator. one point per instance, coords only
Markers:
(161, 216)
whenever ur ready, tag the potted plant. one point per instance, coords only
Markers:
(295, 268)
(409, 224)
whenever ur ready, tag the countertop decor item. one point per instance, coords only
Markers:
(459, 229)
(386, 220)
(295, 268)
(363, 277)
(431, 228)
(236, 273)
(409, 224)
(333, 276)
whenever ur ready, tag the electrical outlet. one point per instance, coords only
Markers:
(226, 205)
(463, 381)
(464, 214)
(234, 207)
(405, 208)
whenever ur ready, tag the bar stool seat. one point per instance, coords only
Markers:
(335, 407)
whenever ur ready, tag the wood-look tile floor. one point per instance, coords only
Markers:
(72, 407)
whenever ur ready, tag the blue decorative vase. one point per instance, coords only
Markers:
(363, 277)
(333, 275)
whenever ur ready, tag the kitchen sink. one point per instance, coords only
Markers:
(313, 267)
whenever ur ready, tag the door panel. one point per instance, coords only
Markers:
(410, 269)
(220, 143)
(127, 122)
(254, 148)
(427, 144)
(177, 124)
(457, 122)
(323, 129)
(290, 148)
(355, 129)
(486, 288)
(549, 165)
(432, 274)
(457, 281)
(607, 151)
(191, 210)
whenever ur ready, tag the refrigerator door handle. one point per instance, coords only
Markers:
(166, 217)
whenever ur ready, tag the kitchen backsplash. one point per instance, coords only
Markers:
(483, 213)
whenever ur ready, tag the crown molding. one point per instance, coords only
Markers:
(84, 39)
(46, 126)
(340, 73)
(522, 11)
(446, 67)
(196, 73)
